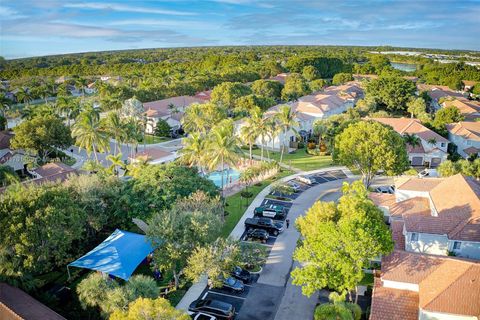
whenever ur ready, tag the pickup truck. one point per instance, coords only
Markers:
(264, 223)
(271, 211)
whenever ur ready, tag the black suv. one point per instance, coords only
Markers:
(257, 234)
(217, 308)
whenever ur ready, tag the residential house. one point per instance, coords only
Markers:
(204, 95)
(469, 109)
(170, 110)
(416, 286)
(435, 215)
(438, 93)
(11, 158)
(466, 136)
(320, 105)
(16, 304)
(281, 77)
(154, 156)
(432, 149)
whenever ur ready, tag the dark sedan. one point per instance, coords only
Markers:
(242, 274)
(217, 308)
(257, 234)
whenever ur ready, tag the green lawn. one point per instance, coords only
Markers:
(150, 139)
(300, 159)
(236, 205)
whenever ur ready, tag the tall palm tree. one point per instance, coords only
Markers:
(24, 95)
(115, 128)
(89, 132)
(263, 132)
(194, 120)
(222, 147)
(432, 142)
(251, 130)
(411, 140)
(286, 119)
(193, 151)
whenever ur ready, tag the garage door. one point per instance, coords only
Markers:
(435, 162)
(417, 161)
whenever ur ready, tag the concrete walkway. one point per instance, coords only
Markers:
(274, 273)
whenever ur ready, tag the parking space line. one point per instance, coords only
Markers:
(205, 295)
(226, 295)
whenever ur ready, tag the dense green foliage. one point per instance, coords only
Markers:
(338, 241)
(390, 92)
(369, 146)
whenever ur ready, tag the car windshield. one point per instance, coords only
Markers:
(230, 281)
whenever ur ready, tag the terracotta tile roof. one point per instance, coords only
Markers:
(393, 304)
(397, 234)
(454, 209)
(382, 199)
(16, 304)
(281, 77)
(415, 149)
(54, 168)
(419, 184)
(416, 206)
(153, 153)
(411, 126)
(445, 284)
(161, 108)
(466, 130)
(466, 107)
(471, 150)
(5, 138)
(204, 95)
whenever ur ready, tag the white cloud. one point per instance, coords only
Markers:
(125, 8)
(7, 13)
(164, 23)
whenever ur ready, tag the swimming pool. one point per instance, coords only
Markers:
(216, 176)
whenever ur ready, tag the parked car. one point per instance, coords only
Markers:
(203, 316)
(271, 211)
(385, 189)
(266, 224)
(242, 274)
(217, 308)
(234, 285)
(306, 180)
(296, 187)
(428, 173)
(257, 234)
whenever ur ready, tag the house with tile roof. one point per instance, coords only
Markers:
(469, 109)
(319, 105)
(432, 149)
(466, 136)
(438, 93)
(170, 109)
(418, 286)
(12, 158)
(435, 215)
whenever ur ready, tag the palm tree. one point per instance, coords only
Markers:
(4, 106)
(222, 147)
(89, 132)
(411, 140)
(337, 309)
(286, 119)
(263, 132)
(432, 142)
(116, 161)
(193, 151)
(251, 130)
(194, 120)
(115, 128)
(24, 95)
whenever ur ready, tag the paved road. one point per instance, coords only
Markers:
(294, 304)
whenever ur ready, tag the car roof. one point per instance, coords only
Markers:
(217, 304)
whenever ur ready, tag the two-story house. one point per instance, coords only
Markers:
(432, 147)
(416, 286)
(308, 109)
(466, 136)
(469, 109)
(435, 215)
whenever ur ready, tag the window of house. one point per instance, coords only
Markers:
(443, 144)
(414, 237)
(469, 142)
(457, 245)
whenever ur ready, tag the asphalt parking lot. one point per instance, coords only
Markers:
(260, 301)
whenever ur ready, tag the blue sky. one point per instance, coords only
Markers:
(43, 27)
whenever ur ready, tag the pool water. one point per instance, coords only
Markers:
(216, 177)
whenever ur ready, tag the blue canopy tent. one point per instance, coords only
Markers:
(119, 255)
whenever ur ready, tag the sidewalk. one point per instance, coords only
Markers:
(196, 289)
